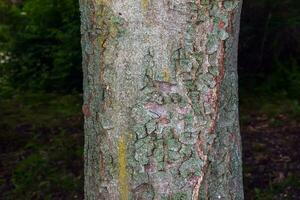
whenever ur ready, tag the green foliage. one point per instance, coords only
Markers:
(42, 38)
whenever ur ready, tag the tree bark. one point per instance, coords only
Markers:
(160, 99)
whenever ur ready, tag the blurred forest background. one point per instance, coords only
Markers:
(41, 130)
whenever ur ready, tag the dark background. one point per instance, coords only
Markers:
(41, 134)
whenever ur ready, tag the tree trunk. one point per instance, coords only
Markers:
(160, 99)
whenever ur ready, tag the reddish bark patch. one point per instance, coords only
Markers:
(221, 24)
(86, 111)
(166, 87)
(183, 111)
(155, 108)
(193, 180)
(163, 120)
(209, 97)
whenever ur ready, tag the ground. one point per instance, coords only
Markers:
(41, 141)
(271, 155)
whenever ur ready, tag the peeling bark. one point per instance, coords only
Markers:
(160, 99)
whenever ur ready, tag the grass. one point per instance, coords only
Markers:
(274, 107)
(270, 126)
(42, 146)
(38, 109)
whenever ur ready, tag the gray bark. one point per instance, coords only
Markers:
(160, 99)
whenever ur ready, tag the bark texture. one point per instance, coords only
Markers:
(160, 99)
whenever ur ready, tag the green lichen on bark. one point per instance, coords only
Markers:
(160, 82)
